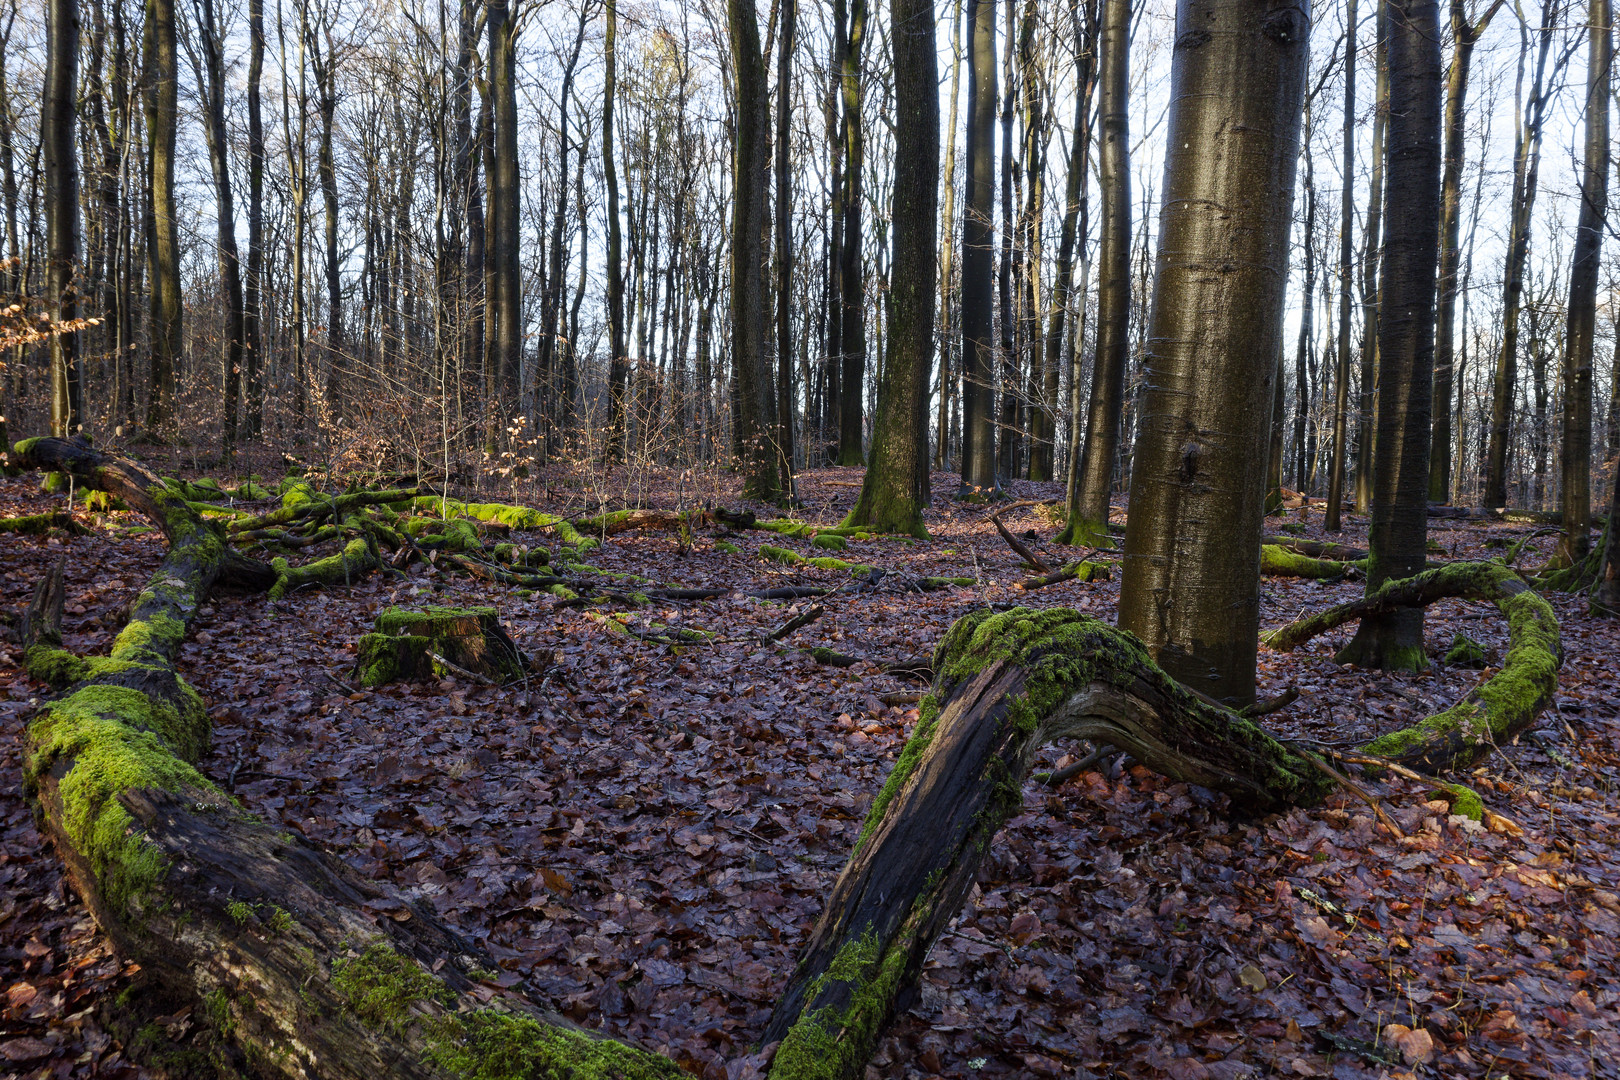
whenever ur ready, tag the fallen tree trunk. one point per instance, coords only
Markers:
(1492, 712)
(1316, 549)
(287, 950)
(1006, 684)
(1278, 561)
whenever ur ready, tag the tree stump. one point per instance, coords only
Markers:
(437, 641)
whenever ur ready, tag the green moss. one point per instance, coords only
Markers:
(240, 911)
(381, 986)
(101, 742)
(832, 1042)
(491, 1045)
(829, 541)
(726, 548)
(154, 639)
(1278, 561)
(1465, 652)
(280, 920)
(1464, 800)
(54, 666)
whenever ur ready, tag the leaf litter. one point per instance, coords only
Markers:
(643, 834)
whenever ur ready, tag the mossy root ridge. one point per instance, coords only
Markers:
(1492, 712)
(1005, 684)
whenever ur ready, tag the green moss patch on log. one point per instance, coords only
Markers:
(41, 524)
(1278, 561)
(788, 557)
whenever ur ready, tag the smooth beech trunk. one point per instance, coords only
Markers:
(1347, 215)
(978, 344)
(163, 241)
(1398, 531)
(62, 209)
(894, 492)
(1192, 545)
(1583, 284)
(1094, 480)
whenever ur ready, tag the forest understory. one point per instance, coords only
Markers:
(643, 833)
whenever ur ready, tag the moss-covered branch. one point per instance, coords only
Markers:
(1492, 712)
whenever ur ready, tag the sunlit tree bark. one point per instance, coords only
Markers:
(1192, 544)
(62, 209)
(978, 346)
(163, 241)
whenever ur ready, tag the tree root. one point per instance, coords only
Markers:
(1494, 711)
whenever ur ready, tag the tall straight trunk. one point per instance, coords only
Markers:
(1464, 35)
(1009, 447)
(1191, 588)
(1302, 347)
(1347, 215)
(1073, 199)
(1583, 283)
(11, 269)
(298, 182)
(947, 253)
(618, 362)
(1371, 257)
(211, 84)
(324, 62)
(1088, 501)
(1526, 168)
(1036, 134)
(1087, 42)
(978, 347)
(833, 351)
(252, 299)
(751, 170)
(162, 117)
(103, 245)
(556, 404)
(894, 492)
(62, 209)
(504, 272)
(852, 276)
(1398, 531)
(784, 244)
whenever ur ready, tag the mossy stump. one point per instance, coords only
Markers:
(416, 644)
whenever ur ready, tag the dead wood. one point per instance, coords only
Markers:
(1030, 558)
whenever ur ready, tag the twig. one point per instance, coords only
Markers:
(1271, 705)
(798, 622)
(1384, 763)
(1029, 557)
(456, 669)
(1059, 776)
(1358, 792)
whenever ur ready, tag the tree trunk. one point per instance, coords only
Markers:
(618, 361)
(1371, 258)
(894, 492)
(1192, 544)
(211, 86)
(1526, 167)
(252, 311)
(784, 244)
(504, 272)
(1583, 283)
(947, 255)
(162, 116)
(62, 210)
(978, 346)
(1398, 531)
(1088, 510)
(852, 275)
(1347, 214)
(751, 168)
(324, 64)
(1463, 36)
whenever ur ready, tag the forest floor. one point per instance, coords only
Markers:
(644, 834)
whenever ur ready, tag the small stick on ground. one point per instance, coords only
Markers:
(1030, 558)
(798, 622)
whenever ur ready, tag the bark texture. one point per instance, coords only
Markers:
(1397, 533)
(1192, 544)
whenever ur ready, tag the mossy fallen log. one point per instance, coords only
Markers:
(1083, 570)
(1316, 549)
(1006, 684)
(1494, 711)
(302, 967)
(433, 641)
(40, 524)
(1279, 561)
